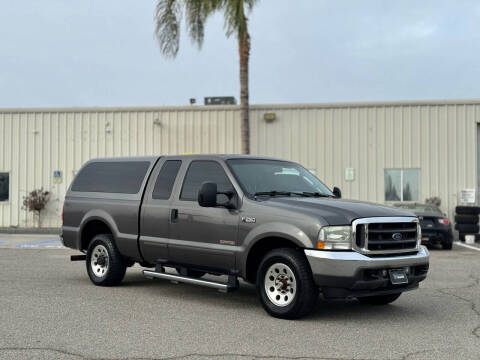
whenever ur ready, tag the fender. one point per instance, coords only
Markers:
(272, 229)
(96, 214)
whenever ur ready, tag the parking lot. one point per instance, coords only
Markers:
(49, 309)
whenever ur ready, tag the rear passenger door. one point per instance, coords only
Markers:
(203, 236)
(156, 209)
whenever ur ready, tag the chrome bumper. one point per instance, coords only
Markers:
(347, 264)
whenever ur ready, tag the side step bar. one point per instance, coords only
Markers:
(230, 286)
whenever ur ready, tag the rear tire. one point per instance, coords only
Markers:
(467, 228)
(285, 284)
(466, 219)
(472, 210)
(105, 265)
(379, 299)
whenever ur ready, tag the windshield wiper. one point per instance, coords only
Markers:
(290, 193)
(314, 194)
(273, 193)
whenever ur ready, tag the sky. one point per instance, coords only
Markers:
(104, 53)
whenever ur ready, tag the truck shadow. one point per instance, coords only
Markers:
(245, 299)
(352, 310)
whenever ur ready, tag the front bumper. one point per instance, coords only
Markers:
(343, 274)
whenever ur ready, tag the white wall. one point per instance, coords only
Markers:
(35, 143)
(439, 138)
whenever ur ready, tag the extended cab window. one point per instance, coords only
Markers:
(166, 179)
(125, 177)
(201, 171)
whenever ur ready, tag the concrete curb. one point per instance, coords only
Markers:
(11, 230)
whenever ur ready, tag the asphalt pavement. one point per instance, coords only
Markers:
(50, 310)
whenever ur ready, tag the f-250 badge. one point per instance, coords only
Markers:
(248, 219)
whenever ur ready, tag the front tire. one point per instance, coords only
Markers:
(105, 265)
(379, 299)
(285, 284)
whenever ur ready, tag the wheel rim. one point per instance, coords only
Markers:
(280, 284)
(99, 261)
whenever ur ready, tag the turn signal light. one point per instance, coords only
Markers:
(321, 245)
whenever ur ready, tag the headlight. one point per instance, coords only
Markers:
(335, 238)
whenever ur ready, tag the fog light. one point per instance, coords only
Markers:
(384, 273)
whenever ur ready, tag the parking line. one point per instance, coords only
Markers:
(467, 246)
(48, 243)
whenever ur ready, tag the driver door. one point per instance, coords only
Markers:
(202, 236)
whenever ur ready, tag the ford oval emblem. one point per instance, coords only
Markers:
(397, 236)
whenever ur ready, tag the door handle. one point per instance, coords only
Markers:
(174, 215)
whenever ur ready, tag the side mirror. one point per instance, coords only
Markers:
(207, 195)
(337, 192)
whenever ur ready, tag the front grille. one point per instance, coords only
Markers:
(385, 235)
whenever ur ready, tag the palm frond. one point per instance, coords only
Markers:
(195, 20)
(236, 16)
(168, 15)
(197, 12)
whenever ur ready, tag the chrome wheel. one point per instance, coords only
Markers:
(99, 261)
(280, 284)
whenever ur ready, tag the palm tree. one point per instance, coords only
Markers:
(168, 16)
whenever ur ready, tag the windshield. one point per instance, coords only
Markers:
(262, 176)
(418, 208)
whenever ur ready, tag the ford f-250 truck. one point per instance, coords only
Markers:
(270, 222)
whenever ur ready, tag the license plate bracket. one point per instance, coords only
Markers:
(398, 276)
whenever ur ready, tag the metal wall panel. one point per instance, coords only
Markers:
(35, 143)
(439, 138)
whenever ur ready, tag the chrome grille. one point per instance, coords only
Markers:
(385, 235)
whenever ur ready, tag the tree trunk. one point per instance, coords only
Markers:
(39, 223)
(244, 52)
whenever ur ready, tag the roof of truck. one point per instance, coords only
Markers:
(223, 156)
(188, 156)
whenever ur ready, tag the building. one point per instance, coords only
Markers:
(379, 152)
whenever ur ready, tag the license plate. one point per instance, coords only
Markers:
(398, 276)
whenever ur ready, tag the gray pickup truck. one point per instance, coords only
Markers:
(270, 222)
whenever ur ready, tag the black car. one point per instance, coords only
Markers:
(436, 228)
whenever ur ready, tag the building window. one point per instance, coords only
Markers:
(402, 185)
(4, 187)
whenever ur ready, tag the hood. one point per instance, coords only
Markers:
(335, 211)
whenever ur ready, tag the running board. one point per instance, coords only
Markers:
(230, 286)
